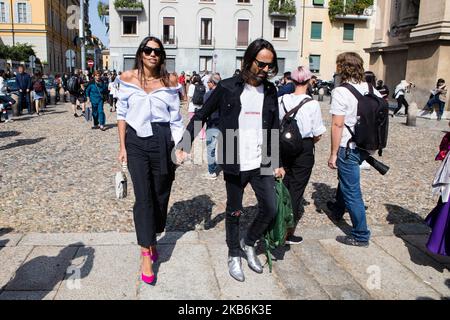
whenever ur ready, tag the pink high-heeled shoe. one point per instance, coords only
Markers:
(147, 279)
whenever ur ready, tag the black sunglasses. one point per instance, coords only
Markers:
(148, 51)
(262, 65)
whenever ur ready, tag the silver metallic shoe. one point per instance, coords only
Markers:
(235, 268)
(252, 258)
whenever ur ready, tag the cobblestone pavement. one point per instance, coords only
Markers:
(57, 176)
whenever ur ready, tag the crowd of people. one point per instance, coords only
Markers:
(247, 122)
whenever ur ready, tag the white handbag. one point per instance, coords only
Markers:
(121, 183)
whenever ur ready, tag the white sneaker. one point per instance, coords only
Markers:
(9, 120)
(365, 166)
(211, 176)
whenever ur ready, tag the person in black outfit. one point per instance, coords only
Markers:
(248, 107)
(24, 84)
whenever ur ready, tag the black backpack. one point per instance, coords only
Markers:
(372, 126)
(291, 140)
(73, 85)
(199, 93)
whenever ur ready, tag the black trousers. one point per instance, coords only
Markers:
(401, 101)
(298, 173)
(151, 187)
(264, 187)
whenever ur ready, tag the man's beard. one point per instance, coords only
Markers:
(260, 77)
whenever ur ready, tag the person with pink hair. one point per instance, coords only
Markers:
(306, 111)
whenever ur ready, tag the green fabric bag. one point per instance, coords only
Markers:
(275, 235)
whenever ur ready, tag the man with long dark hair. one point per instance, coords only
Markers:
(248, 108)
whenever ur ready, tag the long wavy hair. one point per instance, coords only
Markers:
(250, 55)
(161, 67)
(350, 66)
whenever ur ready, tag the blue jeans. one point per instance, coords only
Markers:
(349, 192)
(436, 100)
(211, 144)
(98, 114)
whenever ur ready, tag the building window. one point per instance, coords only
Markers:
(22, 12)
(349, 32)
(2, 12)
(129, 25)
(206, 32)
(279, 29)
(281, 65)
(243, 31)
(314, 63)
(239, 62)
(205, 63)
(319, 3)
(169, 30)
(316, 30)
(170, 64)
(128, 63)
(243, 1)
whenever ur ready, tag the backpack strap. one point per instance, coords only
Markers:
(353, 90)
(293, 112)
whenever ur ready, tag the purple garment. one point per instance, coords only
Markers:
(439, 220)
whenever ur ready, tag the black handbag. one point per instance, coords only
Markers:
(291, 140)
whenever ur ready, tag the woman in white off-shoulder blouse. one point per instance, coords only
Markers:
(150, 125)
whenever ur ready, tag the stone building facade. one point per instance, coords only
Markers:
(412, 42)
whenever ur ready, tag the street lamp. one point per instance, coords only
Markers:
(12, 22)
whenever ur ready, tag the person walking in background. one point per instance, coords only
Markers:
(439, 97)
(400, 91)
(75, 86)
(309, 120)
(5, 100)
(345, 157)
(113, 87)
(439, 218)
(182, 82)
(212, 131)
(95, 92)
(288, 86)
(196, 95)
(150, 124)
(24, 85)
(39, 92)
(383, 89)
(248, 105)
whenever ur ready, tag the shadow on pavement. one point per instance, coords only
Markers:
(42, 274)
(321, 195)
(4, 231)
(22, 142)
(398, 216)
(6, 134)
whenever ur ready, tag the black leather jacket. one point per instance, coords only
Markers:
(226, 99)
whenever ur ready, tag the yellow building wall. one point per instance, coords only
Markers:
(332, 42)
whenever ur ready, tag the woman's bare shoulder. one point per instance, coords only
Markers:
(129, 76)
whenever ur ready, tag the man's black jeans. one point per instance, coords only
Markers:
(401, 101)
(264, 187)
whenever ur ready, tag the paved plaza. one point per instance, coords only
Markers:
(64, 235)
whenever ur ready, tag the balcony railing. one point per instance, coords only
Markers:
(170, 43)
(339, 10)
(128, 5)
(210, 43)
(282, 8)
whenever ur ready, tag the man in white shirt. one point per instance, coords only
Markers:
(345, 156)
(248, 105)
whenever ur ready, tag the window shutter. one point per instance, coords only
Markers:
(16, 12)
(7, 12)
(29, 12)
(243, 32)
(316, 30)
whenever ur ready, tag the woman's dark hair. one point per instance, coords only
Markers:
(139, 64)
(441, 81)
(250, 55)
(196, 79)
